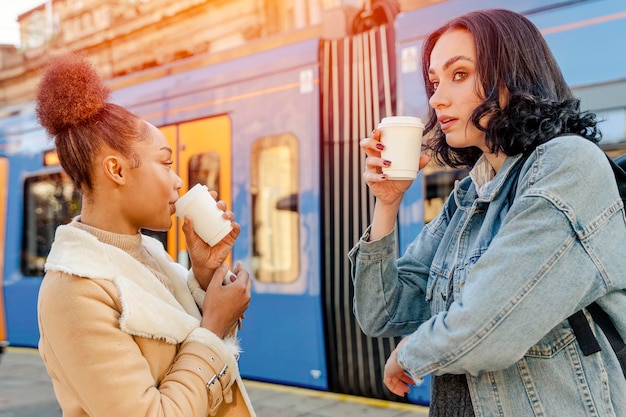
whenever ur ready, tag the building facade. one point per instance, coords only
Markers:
(124, 36)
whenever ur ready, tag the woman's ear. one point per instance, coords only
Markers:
(114, 169)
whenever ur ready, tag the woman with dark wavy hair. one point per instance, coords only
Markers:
(125, 330)
(534, 234)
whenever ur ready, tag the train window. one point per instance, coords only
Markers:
(204, 168)
(275, 214)
(49, 201)
(439, 183)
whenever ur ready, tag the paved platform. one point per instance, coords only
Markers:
(26, 391)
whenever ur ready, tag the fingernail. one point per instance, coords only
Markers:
(383, 176)
(386, 163)
(380, 146)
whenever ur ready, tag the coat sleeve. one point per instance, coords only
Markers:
(98, 367)
(390, 294)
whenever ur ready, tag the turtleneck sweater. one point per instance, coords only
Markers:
(131, 244)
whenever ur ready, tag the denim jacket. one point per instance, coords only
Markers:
(515, 268)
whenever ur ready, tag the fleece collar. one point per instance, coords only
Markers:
(149, 309)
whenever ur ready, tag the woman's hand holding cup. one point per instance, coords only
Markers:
(386, 191)
(205, 259)
(224, 305)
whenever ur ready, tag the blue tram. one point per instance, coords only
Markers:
(274, 127)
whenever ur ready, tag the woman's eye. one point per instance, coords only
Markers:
(169, 163)
(434, 85)
(459, 75)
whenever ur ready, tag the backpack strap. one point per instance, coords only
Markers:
(604, 321)
(584, 335)
(587, 340)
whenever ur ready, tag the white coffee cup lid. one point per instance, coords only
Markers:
(183, 202)
(401, 121)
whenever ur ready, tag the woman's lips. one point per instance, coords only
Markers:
(446, 122)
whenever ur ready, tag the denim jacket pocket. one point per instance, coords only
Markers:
(430, 287)
(552, 343)
(461, 274)
(433, 278)
(437, 289)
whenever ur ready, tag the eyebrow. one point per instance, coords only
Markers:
(167, 149)
(451, 61)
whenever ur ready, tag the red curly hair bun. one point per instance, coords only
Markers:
(70, 92)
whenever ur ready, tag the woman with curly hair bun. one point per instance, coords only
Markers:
(533, 235)
(125, 330)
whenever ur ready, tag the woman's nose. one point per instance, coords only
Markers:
(439, 98)
(179, 183)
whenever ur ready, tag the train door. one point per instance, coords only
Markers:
(283, 334)
(4, 169)
(202, 153)
(273, 101)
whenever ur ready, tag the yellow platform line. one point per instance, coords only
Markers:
(373, 402)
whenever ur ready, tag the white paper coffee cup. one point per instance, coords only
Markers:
(402, 137)
(208, 222)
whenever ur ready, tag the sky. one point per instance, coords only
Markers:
(9, 10)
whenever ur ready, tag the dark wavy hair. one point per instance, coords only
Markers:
(512, 56)
(73, 107)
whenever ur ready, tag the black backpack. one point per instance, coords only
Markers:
(582, 330)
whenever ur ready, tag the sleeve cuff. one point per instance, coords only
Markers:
(367, 249)
(194, 287)
(227, 348)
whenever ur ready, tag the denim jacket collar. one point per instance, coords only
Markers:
(465, 189)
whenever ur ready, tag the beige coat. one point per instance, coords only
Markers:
(116, 342)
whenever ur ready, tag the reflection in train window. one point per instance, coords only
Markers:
(49, 201)
(275, 215)
(204, 168)
(439, 183)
